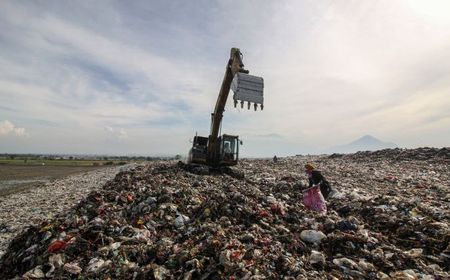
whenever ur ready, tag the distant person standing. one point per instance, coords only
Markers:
(275, 159)
(315, 178)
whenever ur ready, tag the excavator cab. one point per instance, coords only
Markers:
(228, 150)
(227, 153)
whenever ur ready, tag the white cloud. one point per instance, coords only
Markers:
(8, 128)
(122, 134)
(333, 71)
(116, 133)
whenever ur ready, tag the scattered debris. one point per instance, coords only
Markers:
(181, 225)
(45, 202)
(312, 236)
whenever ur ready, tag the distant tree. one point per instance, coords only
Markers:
(71, 158)
(178, 157)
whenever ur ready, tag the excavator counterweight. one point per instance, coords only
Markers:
(215, 150)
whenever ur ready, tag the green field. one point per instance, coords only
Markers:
(15, 178)
(18, 174)
(60, 162)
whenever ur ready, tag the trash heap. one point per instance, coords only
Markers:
(427, 154)
(47, 200)
(389, 220)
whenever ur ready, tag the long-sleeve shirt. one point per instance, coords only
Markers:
(315, 178)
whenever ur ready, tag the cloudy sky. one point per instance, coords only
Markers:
(141, 77)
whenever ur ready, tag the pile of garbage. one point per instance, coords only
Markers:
(161, 221)
(427, 154)
(18, 210)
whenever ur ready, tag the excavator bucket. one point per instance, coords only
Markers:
(248, 88)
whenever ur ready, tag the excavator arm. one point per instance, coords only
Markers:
(234, 66)
(223, 150)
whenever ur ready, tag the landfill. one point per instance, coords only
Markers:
(18, 210)
(388, 219)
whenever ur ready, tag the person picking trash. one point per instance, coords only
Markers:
(314, 195)
(315, 178)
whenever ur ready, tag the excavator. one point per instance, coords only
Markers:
(217, 150)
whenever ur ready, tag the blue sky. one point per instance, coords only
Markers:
(141, 77)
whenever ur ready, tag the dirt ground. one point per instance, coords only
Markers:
(15, 178)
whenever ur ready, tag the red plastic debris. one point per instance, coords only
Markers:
(264, 213)
(277, 209)
(57, 245)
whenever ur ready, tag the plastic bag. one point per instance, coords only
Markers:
(313, 200)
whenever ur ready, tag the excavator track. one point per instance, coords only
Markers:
(199, 169)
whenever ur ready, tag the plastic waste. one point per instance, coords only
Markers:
(313, 200)
(162, 221)
(73, 268)
(316, 258)
(312, 236)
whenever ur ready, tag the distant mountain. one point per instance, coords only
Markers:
(365, 143)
